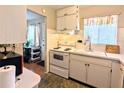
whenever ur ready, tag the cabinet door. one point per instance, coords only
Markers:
(72, 10)
(68, 11)
(78, 70)
(98, 76)
(12, 24)
(61, 12)
(117, 75)
(61, 23)
(72, 22)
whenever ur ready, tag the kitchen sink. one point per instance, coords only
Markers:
(93, 52)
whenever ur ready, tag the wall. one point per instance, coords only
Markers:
(52, 42)
(49, 13)
(13, 26)
(92, 11)
(103, 10)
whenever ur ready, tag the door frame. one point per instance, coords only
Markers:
(45, 21)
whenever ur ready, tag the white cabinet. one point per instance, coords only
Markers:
(67, 23)
(68, 19)
(98, 76)
(61, 24)
(68, 11)
(78, 70)
(61, 12)
(12, 24)
(72, 22)
(117, 75)
(89, 70)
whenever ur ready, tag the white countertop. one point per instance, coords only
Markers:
(28, 79)
(117, 57)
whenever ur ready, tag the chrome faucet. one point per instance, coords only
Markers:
(88, 40)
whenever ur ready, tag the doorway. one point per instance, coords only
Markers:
(35, 45)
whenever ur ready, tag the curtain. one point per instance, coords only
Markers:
(37, 43)
(101, 30)
(33, 35)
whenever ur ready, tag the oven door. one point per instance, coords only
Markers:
(59, 59)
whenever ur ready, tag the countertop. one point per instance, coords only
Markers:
(110, 56)
(28, 79)
(8, 55)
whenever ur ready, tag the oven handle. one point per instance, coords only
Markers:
(66, 55)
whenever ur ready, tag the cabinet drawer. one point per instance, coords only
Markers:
(92, 60)
(59, 71)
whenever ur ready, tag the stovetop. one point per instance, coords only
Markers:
(64, 49)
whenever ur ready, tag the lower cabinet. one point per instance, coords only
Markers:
(78, 70)
(98, 76)
(93, 74)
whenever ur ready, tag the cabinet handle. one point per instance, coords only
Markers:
(87, 64)
(122, 70)
(65, 14)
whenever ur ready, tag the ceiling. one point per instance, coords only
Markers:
(56, 7)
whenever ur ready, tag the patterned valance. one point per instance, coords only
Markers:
(101, 20)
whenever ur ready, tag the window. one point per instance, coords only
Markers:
(33, 34)
(101, 30)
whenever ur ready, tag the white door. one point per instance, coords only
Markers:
(78, 70)
(98, 76)
(43, 41)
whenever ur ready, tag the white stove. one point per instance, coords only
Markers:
(59, 61)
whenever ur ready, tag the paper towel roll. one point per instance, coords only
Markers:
(7, 76)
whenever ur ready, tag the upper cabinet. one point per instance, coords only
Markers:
(68, 19)
(12, 24)
(68, 11)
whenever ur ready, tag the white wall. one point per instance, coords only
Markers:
(49, 13)
(12, 24)
(51, 43)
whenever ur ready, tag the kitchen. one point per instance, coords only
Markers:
(78, 60)
(80, 44)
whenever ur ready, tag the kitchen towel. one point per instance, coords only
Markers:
(7, 76)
